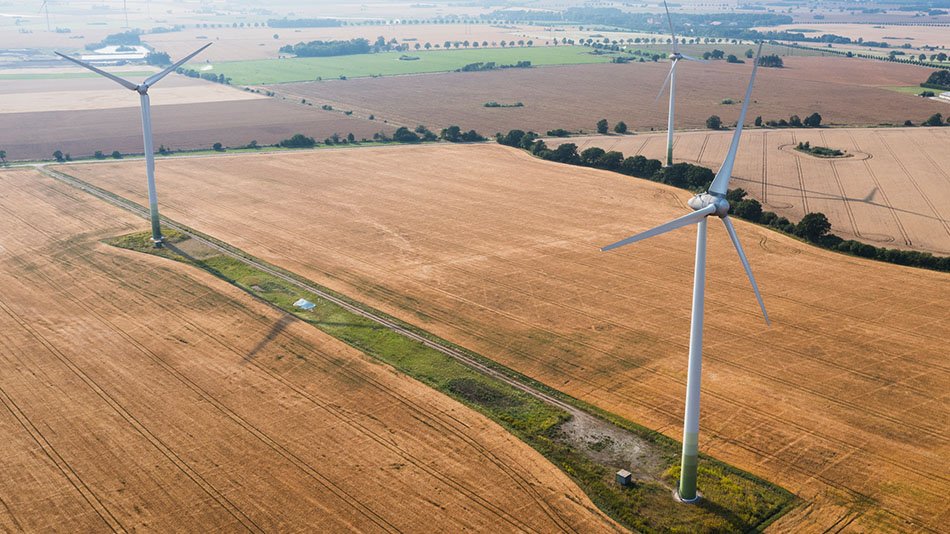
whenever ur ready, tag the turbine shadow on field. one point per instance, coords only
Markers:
(271, 335)
(869, 199)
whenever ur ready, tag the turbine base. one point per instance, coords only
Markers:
(694, 500)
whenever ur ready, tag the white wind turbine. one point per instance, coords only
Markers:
(712, 202)
(675, 58)
(45, 7)
(142, 90)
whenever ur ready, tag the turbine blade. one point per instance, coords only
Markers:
(720, 183)
(121, 81)
(670, 20)
(153, 79)
(696, 59)
(665, 83)
(685, 220)
(745, 264)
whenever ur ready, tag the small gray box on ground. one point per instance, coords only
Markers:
(624, 477)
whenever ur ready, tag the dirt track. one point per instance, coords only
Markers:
(841, 401)
(892, 191)
(138, 393)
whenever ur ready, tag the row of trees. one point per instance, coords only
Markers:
(813, 227)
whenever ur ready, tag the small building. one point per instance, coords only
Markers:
(304, 304)
(624, 477)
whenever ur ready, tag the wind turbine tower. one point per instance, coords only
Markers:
(675, 58)
(712, 202)
(142, 90)
(45, 7)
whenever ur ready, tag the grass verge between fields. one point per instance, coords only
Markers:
(733, 500)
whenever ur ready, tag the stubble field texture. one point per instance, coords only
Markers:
(842, 400)
(890, 190)
(138, 393)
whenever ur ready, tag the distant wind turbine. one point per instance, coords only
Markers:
(45, 7)
(675, 58)
(142, 90)
(125, 6)
(712, 202)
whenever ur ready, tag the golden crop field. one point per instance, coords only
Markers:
(137, 393)
(842, 401)
(892, 190)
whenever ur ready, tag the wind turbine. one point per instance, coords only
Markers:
(45, 7)
(675, 58)
(712, 202)
(142, 90)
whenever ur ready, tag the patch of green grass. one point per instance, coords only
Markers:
(734, 500)
(270, 71)
(908, 89)
(70, 75)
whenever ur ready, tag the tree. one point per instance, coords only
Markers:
(59, 156)
(405, 135)
(733, 59)
(758, 121)
(472, 136)
(159, 59)
(602, 126)
(813, 120)
(749, 210)
(116, 154)
(591, 156)
(621, 127)
(611, 160)
(428, 46)
(935, 120)
(771, 61)
(795, 121)
(298, 141)
(714, 122)
(749, 53)
(217, 147)
(452, 134)
(566, 153)
(3, 156)
(813, 226)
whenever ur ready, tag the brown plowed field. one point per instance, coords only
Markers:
(843, 91)
(843, 400)
(894, 191)
(141, 394)
(186, 126)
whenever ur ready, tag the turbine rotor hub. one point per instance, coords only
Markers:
(702, 200)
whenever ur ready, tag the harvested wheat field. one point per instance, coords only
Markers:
(178, 126)
(844, 91)
(842, 401)
(892, 189)
(37, 95)
(137, 393)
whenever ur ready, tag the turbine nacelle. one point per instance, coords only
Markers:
(704, 200)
